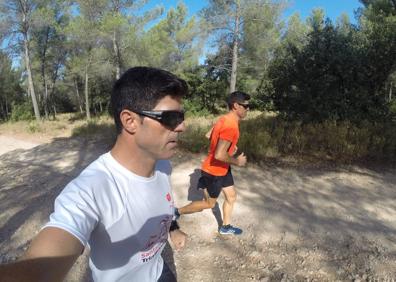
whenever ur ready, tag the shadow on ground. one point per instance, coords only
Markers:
(300, 223)
(297, 221)
(195, 194)
(30, 180)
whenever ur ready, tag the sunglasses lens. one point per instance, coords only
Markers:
(246, 106)
(172, 118)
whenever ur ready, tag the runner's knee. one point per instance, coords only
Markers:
(231, 197)
(210, 203)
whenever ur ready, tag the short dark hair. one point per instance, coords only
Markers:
(237, 97)
(141, 88)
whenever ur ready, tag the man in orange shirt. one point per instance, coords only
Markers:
(216, 170)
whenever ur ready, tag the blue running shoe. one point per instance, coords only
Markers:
(230, 230)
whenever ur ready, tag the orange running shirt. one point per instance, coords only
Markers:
(226, 128)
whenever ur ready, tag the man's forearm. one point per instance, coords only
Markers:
(37, 269)
(227, 159)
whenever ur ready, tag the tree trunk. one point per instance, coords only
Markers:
(54, 111)
(46, 99)
(117, 55)
(51, 101)
(235, 51)
(78, 95)
(43, 55)
(30, 78)
(6, 107)
(390, 91)
(2, 109)
(86, 94)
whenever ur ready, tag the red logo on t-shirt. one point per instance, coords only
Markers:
(168, 197)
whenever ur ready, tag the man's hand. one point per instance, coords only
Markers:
(241, 159)
(221, 154)
(178, 239)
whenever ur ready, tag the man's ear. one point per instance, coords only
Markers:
(234, 105)
(129, 121)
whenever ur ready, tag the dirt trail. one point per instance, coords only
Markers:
(10, 143)
(300, 224)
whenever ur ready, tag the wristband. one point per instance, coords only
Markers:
(174, 226)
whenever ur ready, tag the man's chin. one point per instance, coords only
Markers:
(168, 154)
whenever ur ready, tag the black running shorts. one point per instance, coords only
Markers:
(214, 184)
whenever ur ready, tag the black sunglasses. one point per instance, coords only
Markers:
(246, 106)
(170, 119)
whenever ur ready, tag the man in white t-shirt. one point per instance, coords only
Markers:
(121, 205)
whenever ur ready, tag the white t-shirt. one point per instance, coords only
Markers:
(123, 217)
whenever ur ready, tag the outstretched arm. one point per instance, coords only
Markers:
(49, 257)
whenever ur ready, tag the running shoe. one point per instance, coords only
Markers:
(230, 230)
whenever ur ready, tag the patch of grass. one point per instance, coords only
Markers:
(193, 139)
(77, 117)
(22, 112)
(265, 135)
(62, 126)
(34, 127)
(94, 127)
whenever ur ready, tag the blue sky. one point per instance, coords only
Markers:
(332, 8)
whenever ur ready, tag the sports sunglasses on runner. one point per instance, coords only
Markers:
(246, 106)
(170, 119)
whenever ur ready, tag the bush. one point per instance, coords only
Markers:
(192, 108)
(267, 137)
(33, 127)
(22, 112)
(392, 108)
(96, 128)
(257, 144)
(194, 140)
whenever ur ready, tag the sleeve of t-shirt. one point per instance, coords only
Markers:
(75, 212)
(227, 133)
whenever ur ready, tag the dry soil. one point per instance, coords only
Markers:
(301, 223)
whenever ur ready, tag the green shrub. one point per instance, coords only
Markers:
(22, 112)
(258, 147)
(77, 116)
(194, 109)
(33, 127)
(96, 129)
(255, 139)
(194, 140)
(263, 137)
(392, 108)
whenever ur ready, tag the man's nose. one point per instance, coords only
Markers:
(180, 127)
